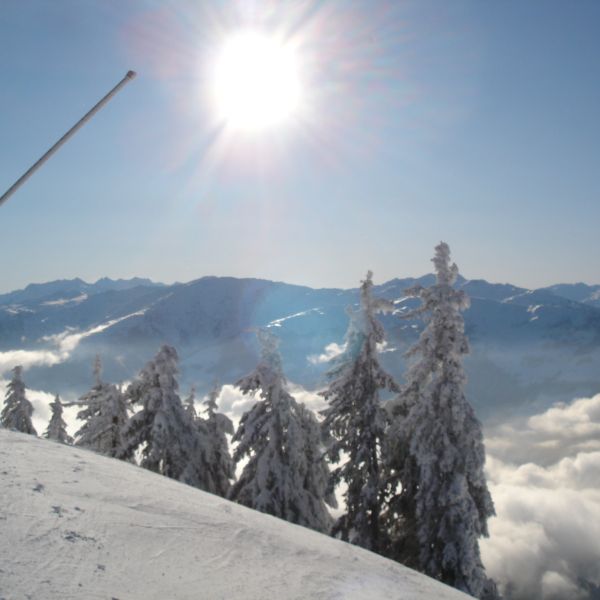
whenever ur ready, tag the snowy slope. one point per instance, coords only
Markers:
(77, 525)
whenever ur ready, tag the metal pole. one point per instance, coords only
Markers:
(17, 184)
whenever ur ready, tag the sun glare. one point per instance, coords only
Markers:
(256, 82)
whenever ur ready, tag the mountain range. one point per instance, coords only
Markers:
(529, 348)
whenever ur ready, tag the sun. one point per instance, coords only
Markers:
(256, 82)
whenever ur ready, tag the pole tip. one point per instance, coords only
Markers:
(130, 74)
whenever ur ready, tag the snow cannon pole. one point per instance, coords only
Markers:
(17, 184)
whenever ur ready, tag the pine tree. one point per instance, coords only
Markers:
(104, 415)
(356, 420)
(171, 443)
(221, 470)
(17, 410)
(57, 428)
(435, 450)
(286, 475)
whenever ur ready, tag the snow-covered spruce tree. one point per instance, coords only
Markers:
(317, 473)
(221, 468)
(104, 415)
(356, 421)
(286, 475)
(57, 428)
(171, 443)
(17, 410)
(189, 404)
(435, 446)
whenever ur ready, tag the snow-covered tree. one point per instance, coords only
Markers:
(356, 420)
(221, 468)
(171, 443)
(17, 410)
(104, 415)
(189, 404)
(286, 475)
(435, 447)
(317, 475)
(57, 428)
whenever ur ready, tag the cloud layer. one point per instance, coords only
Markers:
(544, 475)
(61, 347)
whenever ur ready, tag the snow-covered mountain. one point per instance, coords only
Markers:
(79, 525)
(65, 291)
(580, 292)
(530, 348)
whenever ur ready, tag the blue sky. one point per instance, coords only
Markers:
(472, 122)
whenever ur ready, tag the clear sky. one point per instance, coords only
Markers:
(477, 123)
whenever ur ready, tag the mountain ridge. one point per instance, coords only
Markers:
(579, 291)
(536, 347)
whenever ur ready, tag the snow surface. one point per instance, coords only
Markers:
(74, 524)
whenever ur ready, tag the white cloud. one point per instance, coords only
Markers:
(311, 400)
(28, 358)
(234, 403)
(579, 419)
(563, 430)
(557, 587)
(63, 344)
(544, 476)
(331, 351)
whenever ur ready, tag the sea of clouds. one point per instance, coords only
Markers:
(544, 476)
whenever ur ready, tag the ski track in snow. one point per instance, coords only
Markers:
(74, 524)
